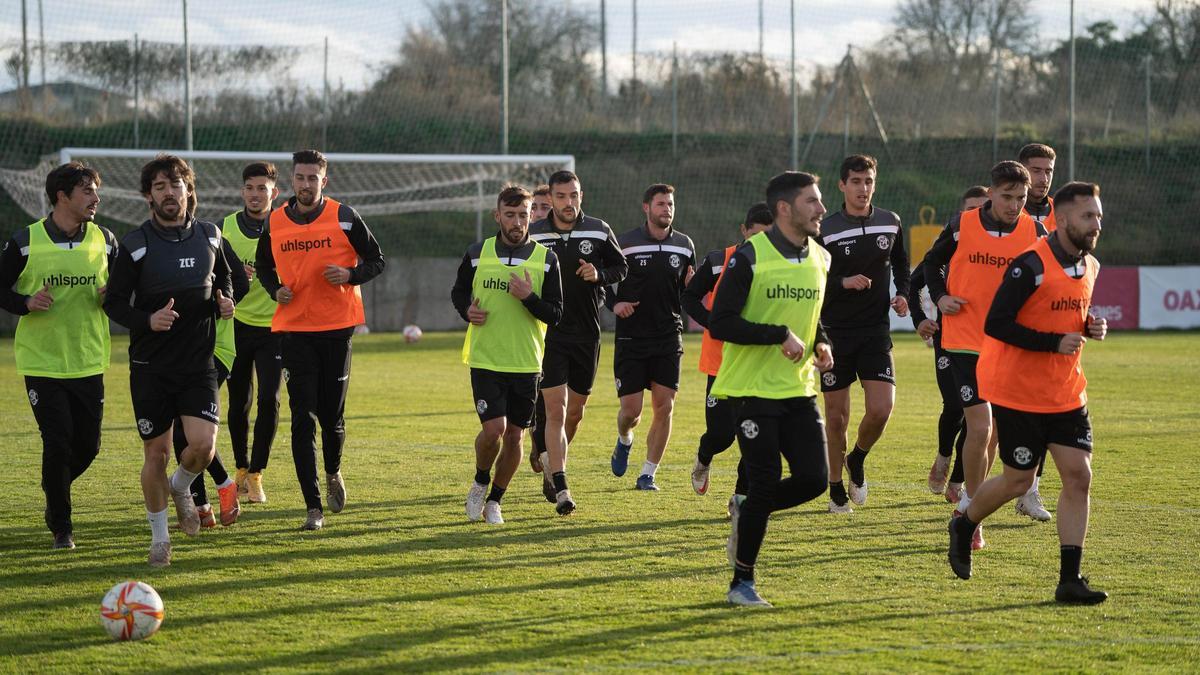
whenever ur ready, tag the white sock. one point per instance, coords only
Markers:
(544, 459)
(1033, 488)
(649, 468)
(964, 502)
(227, 483)
(181, 480)
(626, 439)
(158, 527)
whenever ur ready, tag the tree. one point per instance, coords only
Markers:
(965, 34)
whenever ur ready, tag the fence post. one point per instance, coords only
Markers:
(674, 99)
(187, 83)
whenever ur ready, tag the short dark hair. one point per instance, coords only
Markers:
(973, 192)
(657, 189)
(65, 178)
(759, 214)
(858, 163)
(175, 169)
(310, 157)
(256, 169)
(1035, 150)
(1075, 190)
(560, 177)
(1009, 172)
(513, 195)
(786, 186)
(541, 190)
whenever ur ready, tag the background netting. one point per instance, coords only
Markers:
(692, 100)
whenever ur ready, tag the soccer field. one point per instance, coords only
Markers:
(401, 581)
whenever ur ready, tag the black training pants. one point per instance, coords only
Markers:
(258, 353)
(720, 428)
(317, 371)
(68, 413)
(770, 432)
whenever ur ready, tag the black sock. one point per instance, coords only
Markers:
(1068, 566)
(483, 476)
(496, 494)
(560, 481)
(837, 492)
(742, 573)
(854, 462)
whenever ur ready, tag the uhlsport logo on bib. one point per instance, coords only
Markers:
(481, 406)
(829, 379)
(1023, 456)
(585, 247)
(750, 429)
(145, 426)
(33, 397)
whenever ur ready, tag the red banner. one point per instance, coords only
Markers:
(1115, 297)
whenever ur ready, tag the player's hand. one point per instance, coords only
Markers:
(950, 304)
(102, 291)
(625, 309)
(900, 304)
(823, 357)
(284, 295)
(249, 271)
(1071, 343)
(475, 314)
(793, 348)
(1097, 328)
(858, 282)
(163, 319)
(687, 278)
(224, 305)
(587, 271)
(337, 275)
(520, 288)
(927, 328)
(40, 301)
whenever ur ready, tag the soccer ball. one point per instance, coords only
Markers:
(412, 333)
(131, 611)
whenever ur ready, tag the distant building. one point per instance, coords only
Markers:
(68, 101)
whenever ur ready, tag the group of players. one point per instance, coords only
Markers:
(1011, 276)
(275, 292)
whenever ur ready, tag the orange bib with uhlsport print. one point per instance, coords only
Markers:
(301, 254)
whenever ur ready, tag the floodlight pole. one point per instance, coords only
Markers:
(137, 93)
(187, 83)
(504, 77)
(1071, 112)
(674, 99)
(325, 99)
(603, 50)
(795, 102)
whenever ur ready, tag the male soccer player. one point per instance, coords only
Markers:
(950, 422)
(53, 275)
(311, 259)
(169, 284)
(257, 348)
(866, 244)
(719, 419)
(1038, 159)
(541, 204)
(590, 258)
(1030, 369)
(963, 269)
(508, 289)
(649, 334)
(768, 311)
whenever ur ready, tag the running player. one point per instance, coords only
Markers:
(540, 211)
(719, 418)
(1030, 369)
(963, 269)
(169, 284)
(767, 310)
(950, 422)
(866, 244)
(649, 334)
(590, 258)
(53, 275)
(257, 349)
(508, 289)
(311, 259)
(541, 204)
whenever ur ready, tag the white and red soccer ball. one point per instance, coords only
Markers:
(412, 333)
(132, 610)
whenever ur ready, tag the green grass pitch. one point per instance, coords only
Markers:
(400, 581)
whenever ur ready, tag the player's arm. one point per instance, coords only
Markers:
(1019, 283)
(264, 264)
(613, 266)
(460, 293)
(237, 271)
(726, 322)
(12, 263)
(916, 281)
(122, 281)
(223, 277)
(371, 262)
(702, 284)
(900, 273)
(938, 258)
(548, 307)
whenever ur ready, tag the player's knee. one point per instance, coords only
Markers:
(837, 422)
(664, 409)
(1076, 478)
(1018, 483)
(878, 412)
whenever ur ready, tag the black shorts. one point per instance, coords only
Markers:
(946, 383)
(637, 364)
(859, 357)
(158, 398)
(962, 367)
(571, 363)
(1025, 436)
(508, 395)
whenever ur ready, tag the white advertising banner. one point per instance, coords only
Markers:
(1169, 297)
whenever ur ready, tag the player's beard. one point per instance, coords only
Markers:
(1082, 242)
(514, 236)
(306, 197)
(560, 214)
(662, 222)
(160, 211)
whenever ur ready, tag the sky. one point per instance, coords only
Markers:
(365, 34)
